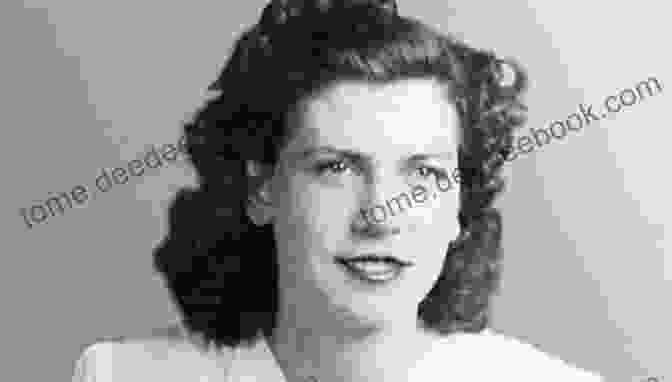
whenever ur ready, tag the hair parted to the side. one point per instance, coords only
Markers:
(221, 268)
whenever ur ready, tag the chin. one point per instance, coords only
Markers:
(366, 319)
(377, 311)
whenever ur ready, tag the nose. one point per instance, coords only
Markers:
(378, 215)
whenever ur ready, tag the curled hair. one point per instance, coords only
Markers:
(220, 268)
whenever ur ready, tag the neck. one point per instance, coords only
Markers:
(329, 350)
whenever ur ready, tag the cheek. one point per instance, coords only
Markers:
(315, 216)
(437, 220)
(440, 209)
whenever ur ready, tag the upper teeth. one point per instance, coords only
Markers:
(373, 266)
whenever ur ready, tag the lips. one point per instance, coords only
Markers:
(375, 258)
(374, 268)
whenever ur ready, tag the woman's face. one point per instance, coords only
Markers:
(350, 183)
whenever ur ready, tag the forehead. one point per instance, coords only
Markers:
(403, 116)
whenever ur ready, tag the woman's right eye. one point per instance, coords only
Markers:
(334, 166)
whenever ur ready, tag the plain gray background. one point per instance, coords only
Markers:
(87, 85)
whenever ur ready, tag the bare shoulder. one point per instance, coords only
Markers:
(529, 361)
(166, 354)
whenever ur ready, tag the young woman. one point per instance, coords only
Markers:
(343, 229)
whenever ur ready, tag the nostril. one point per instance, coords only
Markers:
(376, 229)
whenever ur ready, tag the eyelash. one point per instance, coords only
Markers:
(438, 173)
(321, 168)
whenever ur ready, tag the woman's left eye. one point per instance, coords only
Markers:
(426, 171)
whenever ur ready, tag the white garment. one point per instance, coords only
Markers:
(174, 357)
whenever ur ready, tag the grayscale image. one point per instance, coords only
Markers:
(336, 191)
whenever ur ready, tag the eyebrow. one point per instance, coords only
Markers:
(361, 156)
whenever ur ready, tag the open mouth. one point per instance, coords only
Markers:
(374, 268)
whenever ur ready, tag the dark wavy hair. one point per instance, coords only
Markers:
(220, 268)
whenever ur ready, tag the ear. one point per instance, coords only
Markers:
(260, 207)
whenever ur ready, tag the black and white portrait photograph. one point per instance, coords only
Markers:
(335, 191)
